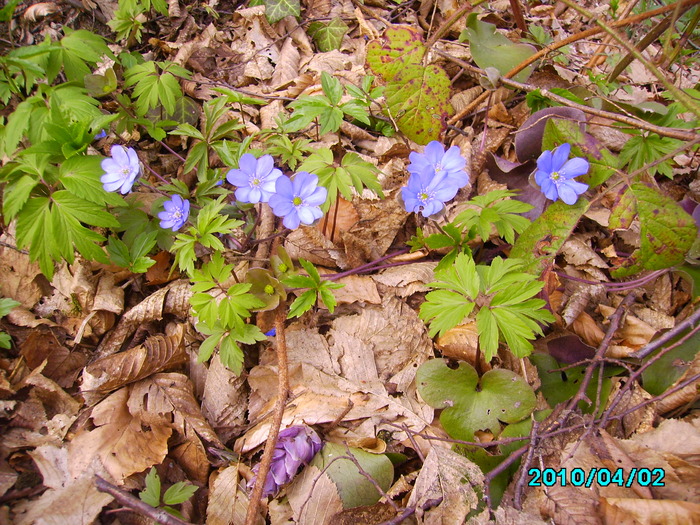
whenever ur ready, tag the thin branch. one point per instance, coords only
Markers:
(690, 322)
(132, 502)
(282, 393)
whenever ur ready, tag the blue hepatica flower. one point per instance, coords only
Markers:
(436, 160)
(436, 177)
(177, 210)
(122, 170)
(255, 178)
(298, 200)
(555, 174)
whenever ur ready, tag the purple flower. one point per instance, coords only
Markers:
(298, 200)
(177, 210)
(122, 170)
(555, 174)
(255, 178)
(296, 446)
(435, 160)
(427, 192)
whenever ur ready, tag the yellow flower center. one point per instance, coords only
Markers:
(555, 176)
(126, 170)
(423, 196)
(256, 182)
(269, 290)
(297, 201)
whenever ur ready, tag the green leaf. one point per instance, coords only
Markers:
(5, 340)
(444, 310)
(231, 355)
(179, 493)
(489, 48)
(118, 252)
(276, 10)
(6, 305)
(354, 488)
(328, 36)
(81, 176)
(34, 229)
(470, 404)
(667, 232)
(84, 210)
(151, 494)
(542, 240)
(302, 304)
(418, 100)
(399, 47)
(16, 195)
(643, 150)
(331, 88)
(206, 349)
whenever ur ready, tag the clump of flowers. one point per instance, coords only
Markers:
(122, 170)
(255, 178)
(298, 200)
(555, 174)
(436, 177)
(177, 210)
(296, 446)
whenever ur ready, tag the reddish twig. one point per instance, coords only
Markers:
(282, 394)
(141, 507)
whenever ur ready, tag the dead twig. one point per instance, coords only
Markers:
(282, 393)
(132, 502)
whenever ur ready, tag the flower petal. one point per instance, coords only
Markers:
(574, 167)
(544, 162)
(291, 220)
(248, 164)
(567, 194)
(560, 155)
(317, 198)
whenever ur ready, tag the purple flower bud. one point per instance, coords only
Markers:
(296, 446)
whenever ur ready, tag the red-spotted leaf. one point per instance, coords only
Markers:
(667, 232)
(398, 47)
(418, 100)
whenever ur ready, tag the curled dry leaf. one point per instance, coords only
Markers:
(462, 343)
(157, 353)
(172, 299)
(634, 333)
(62, 365)
(409, 279)
(37, 11)
(686, 395)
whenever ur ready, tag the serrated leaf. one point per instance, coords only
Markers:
(489, 48)
(302, 304)
(328, 36)
(231, 354)
(400, 46)
(16, 195)
(418, 100)
(81, 176)
(276, 10)
(206, 349)
(151, 494)
(179, 493)
(667, 232)
(83, 210)
(471, 404)
(444, 310)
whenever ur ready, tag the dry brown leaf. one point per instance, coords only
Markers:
(160, 272)
(314, 497)
(62, 365)
(395, 338)
(172, 299)
(40, 10)
(334, 223)
(639, 420)
(309, 243)
(192, 457)
(71, 498)
(170, 395)
(358, 288)
(22, 279)
(8, 476)
(409, 279)
(634, 332)
(578, 252)
(570, 506)
(120, 440)
(628, 511)
(462, 342)
(678, 437)
(224, 400)
(287, 66)
(156, 354)
(227, 503)
(368, 515)
(452, 478)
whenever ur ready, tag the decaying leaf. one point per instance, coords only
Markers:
(314, 497)
(225, 399)
(648, 512)
(157, 353)
(172, 299)
(72, 496)
(228, 501)
(451, 477)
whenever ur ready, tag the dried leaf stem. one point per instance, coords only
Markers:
(282, 394)
(141, 507)
(675, 133)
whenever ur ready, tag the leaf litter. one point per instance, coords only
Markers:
(105, 380)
